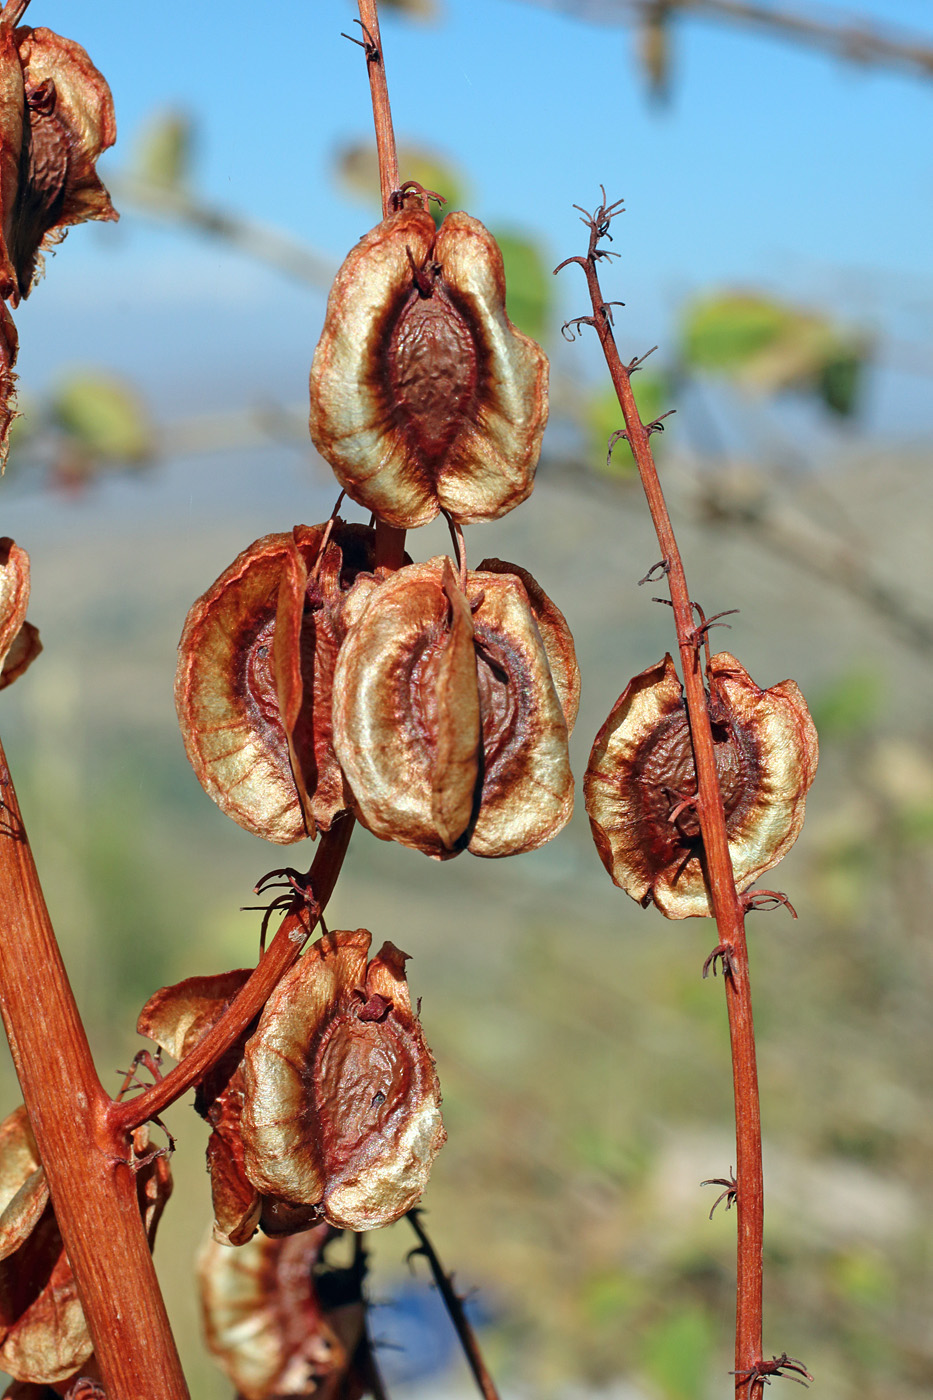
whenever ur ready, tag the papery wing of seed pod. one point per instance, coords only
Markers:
(526, 796)
(458, 721)
(12, 105)
(153, 1181)
(555, 634)
(307, 632)
(70, 121)
(176, 1018)
(401, 650)
(24, 1191)
(45, 1337)
(265, 1324)
(9, 341)
(233, 683)
(641, 772)
(19, 640)
(424, 396)
(284, 1152)
(226, 697)
(342, 1102)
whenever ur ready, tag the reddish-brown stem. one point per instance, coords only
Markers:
(454, 1305)
(13, 12)
(382, 112)
(293, 932)
(85, 1154)
(726, 902)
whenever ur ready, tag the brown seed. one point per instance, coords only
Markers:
(641, 779)
(424, 396)
(447, 721)
(253, 685)
(342, 1104)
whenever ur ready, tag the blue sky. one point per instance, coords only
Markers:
(771, 167)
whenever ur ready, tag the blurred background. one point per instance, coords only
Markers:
(776, 248)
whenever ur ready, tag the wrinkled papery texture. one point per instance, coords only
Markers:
(176, 1018)
(406, 685)
(254, 678)
(19, 640)
(265, 1322)
(9, 345)
(424, 396)
(641, 768)
(44, 1339)
(69, 122)
(342, 1104)
(12, 108)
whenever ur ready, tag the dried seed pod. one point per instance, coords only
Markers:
(44, 1338)
(12, 108)
(19, 640)
(342, 1104)
(9, 346)
(266, 1324)
(69, 122)
(641, 777)
(253, 685)
(176, 1018)
(447, 721)
(424, 396)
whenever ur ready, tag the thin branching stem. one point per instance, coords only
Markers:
(293, 933)
(726, 902)
(454, 1305)
(382, 112)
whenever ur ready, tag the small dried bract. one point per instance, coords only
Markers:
(68, 122)
(44, 1338)
(342, 1104)
(269, 1325)
(19, 640)
(452, 710)
(641, 784)
(424, 396)
(253, 685)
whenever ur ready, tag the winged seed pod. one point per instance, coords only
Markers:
(69, 121)
(19, 640)
(253, 684)
(424, 396)
(449, 721)
(267, 1322)
(641, 777)
(342, 1105)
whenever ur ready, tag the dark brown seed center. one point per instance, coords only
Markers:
(432, 372)
(667, 775)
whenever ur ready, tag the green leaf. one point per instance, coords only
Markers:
(164, 148)
(529, 284)
(724, 332)
(677, 1352)
(840, 380)
(770, 347)
(104, 417)
(357, 170)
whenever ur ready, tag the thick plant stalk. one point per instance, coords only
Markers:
(728, 906)
(85, 1157)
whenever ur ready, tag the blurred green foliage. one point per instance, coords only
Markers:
(771, 347)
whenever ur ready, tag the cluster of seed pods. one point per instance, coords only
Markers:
(433, 701)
